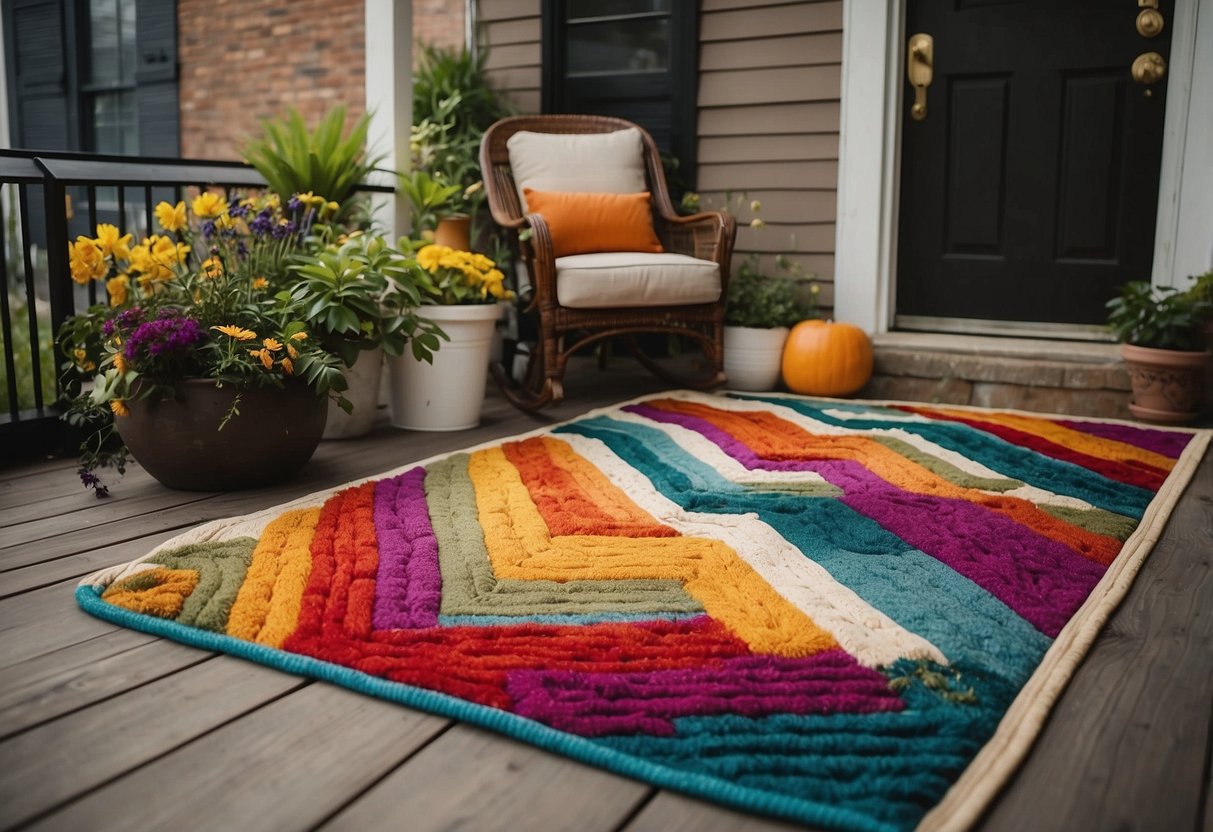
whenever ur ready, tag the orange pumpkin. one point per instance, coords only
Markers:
(826, 358)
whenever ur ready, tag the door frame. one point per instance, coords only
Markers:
(869, 165)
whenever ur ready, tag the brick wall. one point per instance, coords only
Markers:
(247, 61)
(438, 22)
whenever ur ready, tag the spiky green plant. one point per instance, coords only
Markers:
(325, 161)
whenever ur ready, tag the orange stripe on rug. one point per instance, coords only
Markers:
(267, 606)
(775, 438)
(520, 547)
(573, 496)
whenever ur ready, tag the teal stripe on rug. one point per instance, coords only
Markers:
(917, 591)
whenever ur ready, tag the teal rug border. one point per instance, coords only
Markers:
(511, 725)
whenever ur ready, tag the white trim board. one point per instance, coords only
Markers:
(873, 38)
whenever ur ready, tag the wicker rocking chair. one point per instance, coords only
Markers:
(588, 297)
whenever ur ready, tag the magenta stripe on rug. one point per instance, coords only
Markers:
(409, 583)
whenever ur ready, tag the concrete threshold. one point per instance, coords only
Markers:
(1075, 377)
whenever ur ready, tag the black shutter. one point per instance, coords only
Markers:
(40, 71)
(156, 99)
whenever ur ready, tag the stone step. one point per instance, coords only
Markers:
(1074, 377)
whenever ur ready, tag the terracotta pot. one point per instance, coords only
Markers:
(752, 356)
(179, 442)
(454, 232)
(1166, 383)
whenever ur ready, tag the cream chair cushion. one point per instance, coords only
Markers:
(596, 163)
(617, 279)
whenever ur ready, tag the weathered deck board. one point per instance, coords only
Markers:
(513, 786)
(1131, 733)
(69, 756)
(66, 680)
(323, 743)
(109, 728)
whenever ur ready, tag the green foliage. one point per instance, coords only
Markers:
(767, 301)
(1162, 318)
(364, 294)
(323, 161)
(453, 104)
(23, 369)
(430, 198)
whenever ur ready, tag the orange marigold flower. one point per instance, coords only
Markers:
(291, 351)
(271, 344)
(120, 363)
(299, 336)
(288, 367)
(267, 360)
(119, 407)
(260, 283)
(237, 332)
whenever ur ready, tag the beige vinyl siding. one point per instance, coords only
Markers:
(768, 114)
(769, 82)
(511, 31)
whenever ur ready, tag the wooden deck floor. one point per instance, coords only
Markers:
(105, 728)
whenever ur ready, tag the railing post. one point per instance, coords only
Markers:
(59, 283)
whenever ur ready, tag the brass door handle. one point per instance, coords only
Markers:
(1149, 68)
(920, 62)
(1150, 21)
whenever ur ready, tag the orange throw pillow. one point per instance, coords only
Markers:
(585, 223)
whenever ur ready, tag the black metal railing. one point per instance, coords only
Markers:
(48, 200)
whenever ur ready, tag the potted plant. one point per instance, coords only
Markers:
(211, 380)
(447, 393)
(435, 209)
(325, 160)
(760, 309)
(360, 297)
(1161, 330)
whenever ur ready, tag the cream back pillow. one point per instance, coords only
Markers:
(601, 163)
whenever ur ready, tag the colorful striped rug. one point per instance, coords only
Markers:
(848, 614)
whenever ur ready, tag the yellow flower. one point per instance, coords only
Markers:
(473, 188)
(171, 217)
(755, 206)
(120, 363)
(119, 407)
(757, 223)
(267, 360)
(329, 209)
(112, 243)
(208, 205)
(237, 332)
(119, 289)
(291, 351)
(225, 221)
(260, 283)
(271, 344)
(288, 367)
(212, 267)
(85, 261)
(79, 353)
(299, 336)
(481, 262)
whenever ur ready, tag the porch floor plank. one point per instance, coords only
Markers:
(471, 779)
(324, 743)
(110, 728)
(69, 756)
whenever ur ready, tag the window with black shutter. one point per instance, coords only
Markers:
(93, 75)
(634, 59)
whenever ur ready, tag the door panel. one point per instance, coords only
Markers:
(1029, 191)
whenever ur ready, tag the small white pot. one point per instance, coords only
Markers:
(448, 394)
(364, 378)
(752, 357)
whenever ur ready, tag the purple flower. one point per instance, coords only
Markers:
(283, 229)
(293, 204)
(208, 229)
(165, 344)
(236, 207)
(263, 223)
(241, 249)
(107, 328)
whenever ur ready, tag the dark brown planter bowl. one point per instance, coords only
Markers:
(178, 440)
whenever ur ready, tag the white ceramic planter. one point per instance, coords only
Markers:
(447, 394)
(364, 378)
(752, 357)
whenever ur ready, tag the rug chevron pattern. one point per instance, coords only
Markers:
(816, 609)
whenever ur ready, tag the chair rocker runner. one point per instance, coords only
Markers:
(606, 255)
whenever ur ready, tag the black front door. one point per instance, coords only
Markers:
(1029, 190)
